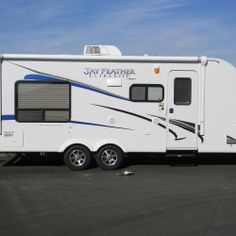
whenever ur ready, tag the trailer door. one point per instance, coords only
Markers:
(182, 110)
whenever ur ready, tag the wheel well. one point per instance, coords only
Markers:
(74, 144)
(112, 144)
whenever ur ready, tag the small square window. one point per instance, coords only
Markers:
(155, 93)
(138, 93)
(146, 93)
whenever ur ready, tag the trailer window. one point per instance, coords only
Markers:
(155, 93)
(146, 93)
(182, 91)
(138, 93)
(38, 101)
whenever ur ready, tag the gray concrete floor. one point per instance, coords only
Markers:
(40, 196)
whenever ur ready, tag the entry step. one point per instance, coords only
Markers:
(183, 158)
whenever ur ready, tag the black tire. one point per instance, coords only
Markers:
(110, 157)
(78, 157)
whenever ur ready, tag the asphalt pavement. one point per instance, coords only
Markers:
(41, 196)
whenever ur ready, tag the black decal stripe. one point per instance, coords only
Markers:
(172, 132)
(163, 126)
(201, 138)
(190, 129)
(126, 112)
(187, 127)
(139, 116)
(183, 124)
(231, 140)
(229, 137)
(192, 125)
(175, 135)
(178, 123)
(189, 124)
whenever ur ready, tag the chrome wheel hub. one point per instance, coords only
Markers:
(77, 158)
(109, 157)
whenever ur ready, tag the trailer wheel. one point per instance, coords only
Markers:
(110, 157)
(78, 157)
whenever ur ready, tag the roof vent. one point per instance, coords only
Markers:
(101, 50)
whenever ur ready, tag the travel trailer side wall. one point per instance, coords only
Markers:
(111, 105)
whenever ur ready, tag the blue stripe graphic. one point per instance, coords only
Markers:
(8, 117)
(73, 83)
(40, 77)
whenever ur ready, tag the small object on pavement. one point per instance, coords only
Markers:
(127, 173)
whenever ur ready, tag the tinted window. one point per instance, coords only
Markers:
(182, 91)
(42, 101)
(146, 93)
(138, 93)
(155, 93)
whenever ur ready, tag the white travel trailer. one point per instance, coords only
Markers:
(107, 104)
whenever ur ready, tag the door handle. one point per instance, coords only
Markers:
(171, 110)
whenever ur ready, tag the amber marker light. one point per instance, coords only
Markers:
(157, 70)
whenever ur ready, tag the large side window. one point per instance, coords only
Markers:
(38, 101)
(146, 93)
(182, 91)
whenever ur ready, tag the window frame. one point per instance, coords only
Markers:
(43, 110)
(146, 92)
(190, 102)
